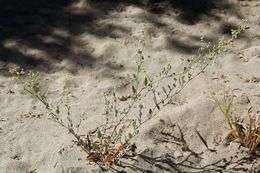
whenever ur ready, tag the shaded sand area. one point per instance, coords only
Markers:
(90, 46)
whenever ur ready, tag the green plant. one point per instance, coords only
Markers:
(226, 109)
(125, 115)
(249, 134)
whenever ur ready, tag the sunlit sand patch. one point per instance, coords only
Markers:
(23, 49)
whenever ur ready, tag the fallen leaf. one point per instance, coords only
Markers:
(31, 114)
(253, 79)
(124, 98)
(109, 159)
(91, 158)
(121, 147)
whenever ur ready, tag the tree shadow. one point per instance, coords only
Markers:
(193, 10)
(50, 27)
(190, 10)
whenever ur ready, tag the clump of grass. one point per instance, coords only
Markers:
(248, 134)
(226, 109)
(125, 115)
(251, 133)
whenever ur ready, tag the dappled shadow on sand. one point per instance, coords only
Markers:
(49, 28)
(190, 10)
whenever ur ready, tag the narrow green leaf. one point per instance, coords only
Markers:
(150, 111)
(99, 134)
(164, 90)
(95, 146)
(145, 81)
(138, 68)
(134, 123)
(133, 89)
(57, 111)
(130, 135)
(217, 102)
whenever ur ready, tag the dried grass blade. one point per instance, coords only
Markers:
(249, 134)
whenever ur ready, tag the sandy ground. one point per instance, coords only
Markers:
(90, 46)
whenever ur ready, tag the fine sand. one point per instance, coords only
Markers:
(90, 46)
